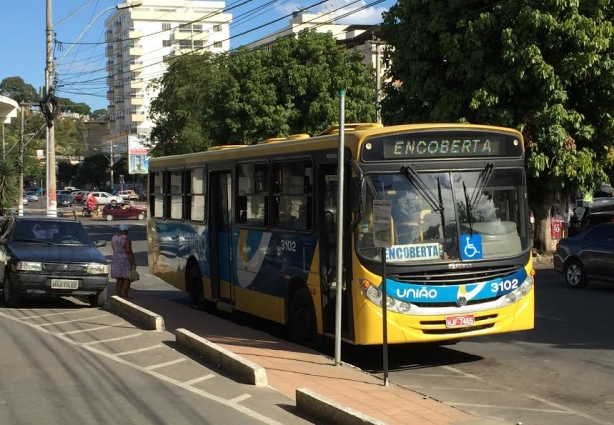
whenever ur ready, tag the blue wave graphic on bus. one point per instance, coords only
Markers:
(451, 293)
(266, 261)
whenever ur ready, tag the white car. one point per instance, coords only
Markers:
(104, 198)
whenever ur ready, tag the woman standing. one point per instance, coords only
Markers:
(123, 261)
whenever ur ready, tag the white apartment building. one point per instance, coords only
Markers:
(140, 42)
(355, 36)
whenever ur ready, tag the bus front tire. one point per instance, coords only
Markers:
(302, 318)
(195, 287)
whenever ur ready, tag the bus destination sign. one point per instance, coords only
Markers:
(441, 145)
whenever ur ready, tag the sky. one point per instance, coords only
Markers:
(23, 36)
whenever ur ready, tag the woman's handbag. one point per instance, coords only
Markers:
(134, 275)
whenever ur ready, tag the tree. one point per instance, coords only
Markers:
(249, 96)
(17, 89)
(99, 114)
(8, 186)
(541, 67)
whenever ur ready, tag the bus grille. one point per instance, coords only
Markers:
(447, 277)
(453, 304)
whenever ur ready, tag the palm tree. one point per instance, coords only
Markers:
(8, 186)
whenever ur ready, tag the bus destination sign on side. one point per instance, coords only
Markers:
(441, 145)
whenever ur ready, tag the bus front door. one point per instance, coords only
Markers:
(327, 210)
(222, 290)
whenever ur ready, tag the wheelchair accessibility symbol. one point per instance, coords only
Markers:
(471, 247)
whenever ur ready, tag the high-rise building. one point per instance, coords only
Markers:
(140, 42)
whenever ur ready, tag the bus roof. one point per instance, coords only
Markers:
(354, 134)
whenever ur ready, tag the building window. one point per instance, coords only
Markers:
(166, 26)
(197, 27)
(253, 195)
(217, 28)
(166, 43)
(185, 44)
(292, 195)
(217, 44)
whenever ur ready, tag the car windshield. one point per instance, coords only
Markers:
(424, 211)
(50, 232)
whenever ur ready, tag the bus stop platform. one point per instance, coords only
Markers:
(290, 367)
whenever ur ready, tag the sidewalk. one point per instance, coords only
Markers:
(289, 366)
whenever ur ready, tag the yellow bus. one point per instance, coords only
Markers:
(253, 229)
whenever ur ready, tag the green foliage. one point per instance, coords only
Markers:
(99, 114)
(8, 185)
(250, 96)
(17, 89)
(544, 68)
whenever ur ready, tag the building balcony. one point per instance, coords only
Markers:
(136, 66)
(183, 33)
(111, 108)
(109, 35)
(132, 34)
(137, 117)
(136, 50)
(110, 94)
(119, 100)
(110, 65)
(137, 84)
(136, 100)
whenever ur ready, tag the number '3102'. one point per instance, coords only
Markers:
(504, 285)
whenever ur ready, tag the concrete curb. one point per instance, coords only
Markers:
(320, 407)
(145, 318)
(245, 370)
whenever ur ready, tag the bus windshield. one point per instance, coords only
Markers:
(431, 210)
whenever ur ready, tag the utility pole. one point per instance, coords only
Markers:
(20, 163)
(52, 207)
(375, 45)
(111, 161)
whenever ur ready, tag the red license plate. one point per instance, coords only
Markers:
(460, 321)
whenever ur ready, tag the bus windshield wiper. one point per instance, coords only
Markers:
(477, 193)
(418, 183)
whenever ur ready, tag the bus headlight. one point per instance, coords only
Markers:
(374, 295)
(520, 292)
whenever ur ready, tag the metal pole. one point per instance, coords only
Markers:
(52, 207)
(378, 86)
(111, 161)
(340, 209)
(20, 164)
(384, 317)
(3, 145)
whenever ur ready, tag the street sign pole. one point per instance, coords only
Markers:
(340, 168)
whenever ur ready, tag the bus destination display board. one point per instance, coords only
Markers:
(441, 145)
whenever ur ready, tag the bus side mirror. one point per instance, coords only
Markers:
(354, 189)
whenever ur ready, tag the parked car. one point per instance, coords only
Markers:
(128, 195)
(122, 212)
(51, 256)
(587, 256)
(104, 198)
(599, 210)
(31, 196)
(78, 196)
(64, 200)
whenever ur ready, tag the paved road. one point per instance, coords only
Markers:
(559, 373)
(65, 363)
(562, 372)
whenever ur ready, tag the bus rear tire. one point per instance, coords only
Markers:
(194, 286)
(302, 318)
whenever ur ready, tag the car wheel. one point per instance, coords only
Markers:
(109, 217)
(574, 274)
(302, 318)
(141, 216)
(11, 297)
(98, 300)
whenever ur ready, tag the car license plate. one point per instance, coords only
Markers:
(460, 321)
(64, 284)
